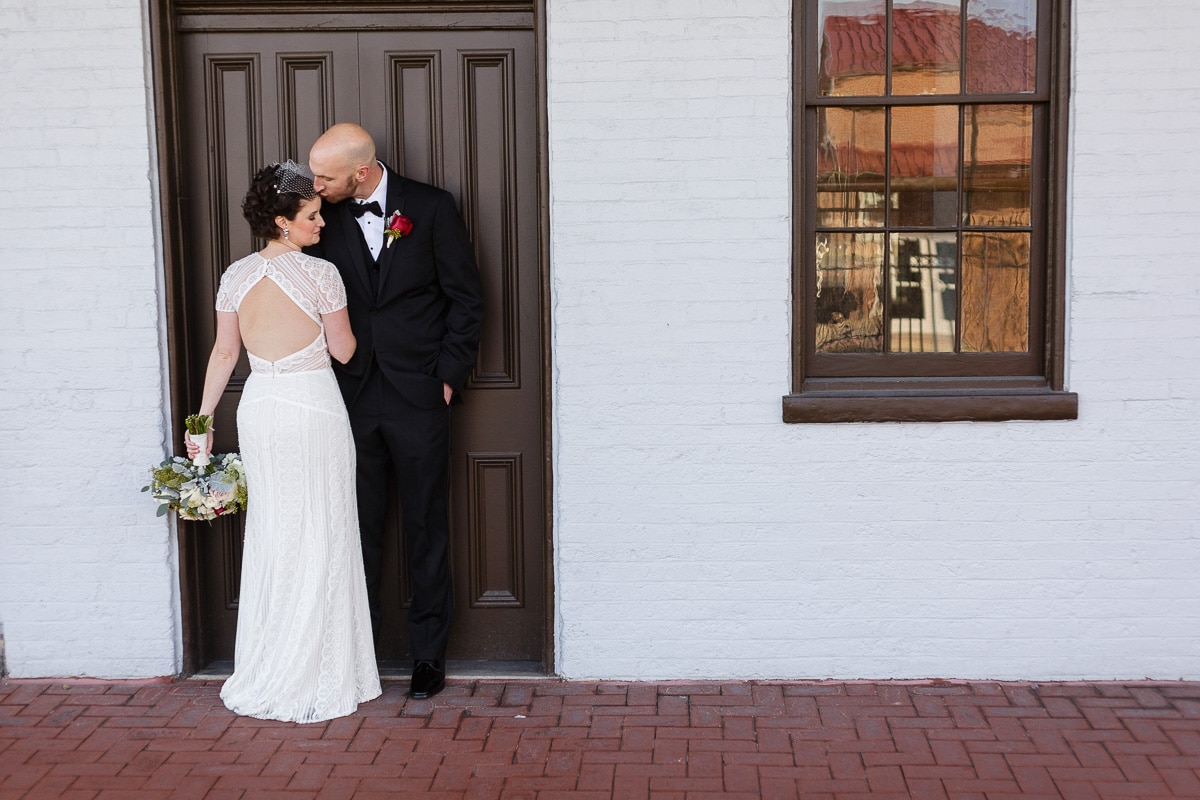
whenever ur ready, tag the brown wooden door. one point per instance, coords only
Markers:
(456, 108)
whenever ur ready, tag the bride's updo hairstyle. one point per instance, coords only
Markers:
(276, 191)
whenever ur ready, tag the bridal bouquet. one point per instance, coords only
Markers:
(199, 491)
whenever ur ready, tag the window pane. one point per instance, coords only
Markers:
(849, 314)
(997, 157)
(995, 293)
(925, 47)
(853, 36)
(924, 163)
(923, 289)
(1001, 46)
(850, 145)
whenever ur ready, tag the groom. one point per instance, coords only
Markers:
(416, 308)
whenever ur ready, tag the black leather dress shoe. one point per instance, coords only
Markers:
(428, 678)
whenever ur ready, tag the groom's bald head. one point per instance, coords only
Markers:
(343, 162)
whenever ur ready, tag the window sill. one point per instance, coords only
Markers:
(826, 401)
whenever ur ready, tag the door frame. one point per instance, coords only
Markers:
(165, 58)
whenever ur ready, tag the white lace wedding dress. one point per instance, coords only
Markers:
(304, 651)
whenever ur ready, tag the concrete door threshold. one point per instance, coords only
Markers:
(402, 670)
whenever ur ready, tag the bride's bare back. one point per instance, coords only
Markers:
(271, 324)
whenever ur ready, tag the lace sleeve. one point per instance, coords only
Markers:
(331, 292)
(225, 300)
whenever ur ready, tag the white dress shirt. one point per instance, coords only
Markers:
(371, 225)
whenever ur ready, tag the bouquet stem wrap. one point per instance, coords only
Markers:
(201, 458)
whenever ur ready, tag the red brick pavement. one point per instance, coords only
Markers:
(548, 739)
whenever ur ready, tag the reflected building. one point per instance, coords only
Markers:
(923, 206)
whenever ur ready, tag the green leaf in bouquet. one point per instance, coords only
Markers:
(198, 423)
(221, 486)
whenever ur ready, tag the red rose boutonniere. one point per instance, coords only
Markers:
(398, 226)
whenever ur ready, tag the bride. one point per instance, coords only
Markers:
(304, 651)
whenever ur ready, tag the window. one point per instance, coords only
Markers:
(930, 140)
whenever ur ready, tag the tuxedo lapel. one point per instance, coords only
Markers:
(395, 202)
(352, 238)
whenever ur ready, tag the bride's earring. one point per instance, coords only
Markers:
(285, 235)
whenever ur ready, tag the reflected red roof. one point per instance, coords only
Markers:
(1000, 60)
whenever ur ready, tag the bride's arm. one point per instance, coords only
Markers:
(338, 335)
(225, 352)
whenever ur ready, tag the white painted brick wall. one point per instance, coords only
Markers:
(87, 573)
(699, 536)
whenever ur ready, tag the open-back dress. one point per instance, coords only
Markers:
(304, 651)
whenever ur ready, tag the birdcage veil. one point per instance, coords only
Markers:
(293, 178)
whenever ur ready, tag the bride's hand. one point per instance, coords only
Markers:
(193, 448)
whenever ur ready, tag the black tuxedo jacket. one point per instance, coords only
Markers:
(422, 324)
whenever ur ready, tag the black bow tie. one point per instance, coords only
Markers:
(358, 209)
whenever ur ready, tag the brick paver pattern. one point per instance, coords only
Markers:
(549, 739)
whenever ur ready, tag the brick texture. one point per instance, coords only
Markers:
(489, 739)
(87, 576)
(696, 535)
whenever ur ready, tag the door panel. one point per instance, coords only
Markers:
(452, 108)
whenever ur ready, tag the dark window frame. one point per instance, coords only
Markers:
(951, 389)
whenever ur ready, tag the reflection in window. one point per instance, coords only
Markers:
(923, 285)
(849, 312)
(925, 45)
(923, 209)
(850, 168)
(997, 156)
(1001, 46)
(995, 293)
(853, 42)
(924, 165)
(1001, 50)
